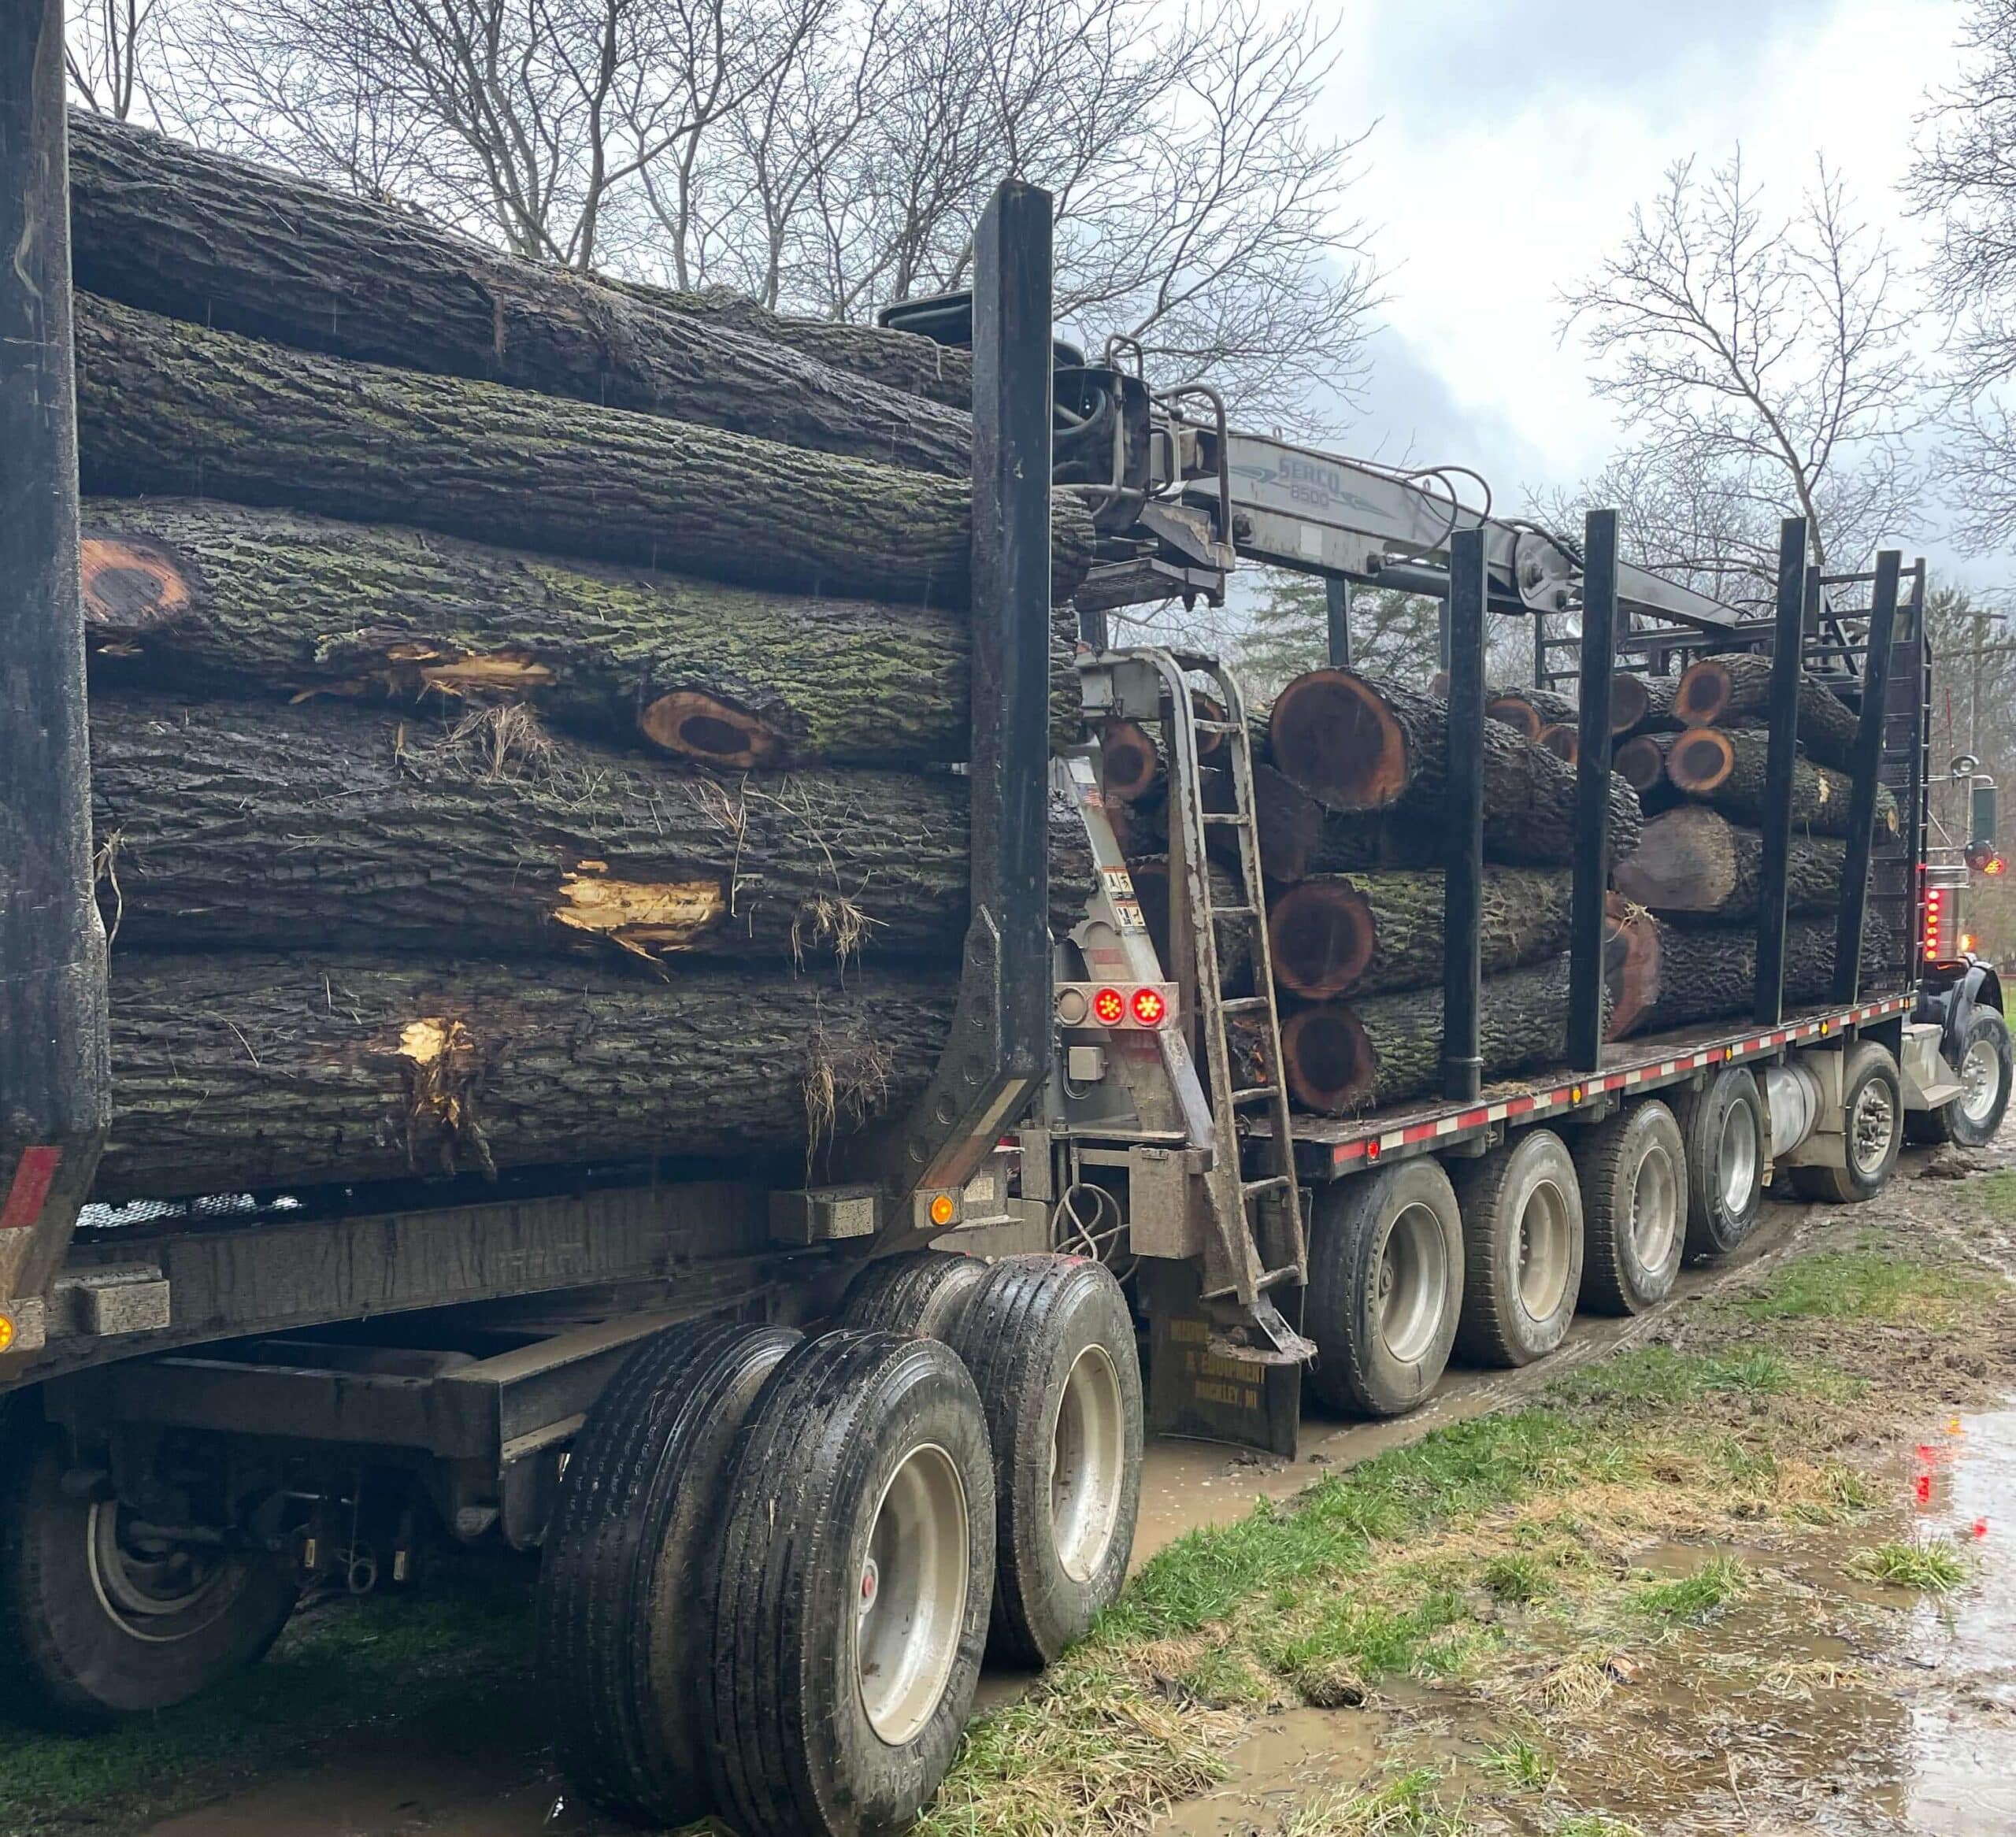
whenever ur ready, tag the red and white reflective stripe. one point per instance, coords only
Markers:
(33, 1174)
(1467, 1122)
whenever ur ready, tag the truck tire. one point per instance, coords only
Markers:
(96, 1626)
(622, 1626)
(1632, 1168)
(1972, 1119)
(1050, 1344)
(1385, 1287)
(1872, 1124)
(1523, 1249)
(851, 1579)
(920, 1291)
(1722, 1124)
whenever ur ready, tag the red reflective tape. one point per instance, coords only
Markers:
(33, 1174)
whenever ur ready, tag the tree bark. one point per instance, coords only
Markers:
(242, 1073)
(1368, 934)
(1235, 937)
(1693, 862)
(227, 244)
(1531, 711)
(1718, 688)
(170, 408)
(1640, 705)
(266, 603)
(258, 826)
(1703, 975)
(1387, 1049)
(1358, 745)
(1726, 767)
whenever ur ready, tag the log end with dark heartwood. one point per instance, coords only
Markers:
(1728, 768)
(1715, 690)
(1564, 742)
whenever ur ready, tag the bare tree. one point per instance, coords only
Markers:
(117, 53)
(1763, 365)
(1963, 178)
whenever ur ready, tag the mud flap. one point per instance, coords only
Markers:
(1201, 1395)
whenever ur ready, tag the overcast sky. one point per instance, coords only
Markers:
(1513, 137)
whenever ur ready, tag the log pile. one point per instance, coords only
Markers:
(523, 706)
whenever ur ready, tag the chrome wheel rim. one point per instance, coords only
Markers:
(1411, 1284)
(1654, 1223)
(1087, 1463)
(1981, 1072)
(1542, 1272)
(1736, 1159)
(1871, 1124)
(156, 1590)
(910, 1595)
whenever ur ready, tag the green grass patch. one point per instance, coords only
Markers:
(1409, 1806)
(1519, 1763)
(1998, 1194)
(1934, 1567)
(1865, 1284)
(1659, 1374)
(1712, 1586)
(1516, 1576)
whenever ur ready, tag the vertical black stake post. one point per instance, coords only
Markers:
(1462, 885)
(1781, 756)
(54, 1085)
(1540, 650)
(1592, 869)
(998, 1047)
(1868, 766)
(1337, 604)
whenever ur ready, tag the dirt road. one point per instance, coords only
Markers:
(1739, 1566)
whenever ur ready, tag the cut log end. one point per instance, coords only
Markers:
(131, 585)
(1208, 708)
(1640, 763)
(1686, 861)
(1631, 965)
(699, 726)
(1323, 935)
(1334, 736)
(1562, 740)
(1703, 693)
(1517, 712)
(1630, 701)
(1330, 1063)
(1131, 763)
(1701, 759)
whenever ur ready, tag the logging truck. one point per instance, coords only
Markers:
(805, 1330)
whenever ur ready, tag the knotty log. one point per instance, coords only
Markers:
(1693, 862)
(259, 826)
(1727, 768)
(167, 407)
(1717, 688)
(228, 244)
(1386, 1049)
(1355, 745)
(1368, 934)
(219, 597)
(239, 1073)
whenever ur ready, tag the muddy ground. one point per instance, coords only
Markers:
(1743, 1566)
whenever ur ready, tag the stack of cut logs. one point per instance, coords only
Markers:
(523, 706)
(1349, 793)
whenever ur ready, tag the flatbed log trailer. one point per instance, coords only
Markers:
(215, 1403)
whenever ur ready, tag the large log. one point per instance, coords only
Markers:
(1694, 863)
(259, 826)
(1640, 705)
(1386, 1049)
(1701, 974)
(225, 243)
(1366, 933)
(1530, 710)
(242, 1073)
(1726, 768)
(176, 410)
(1151, 877)
(1357, 745)
(222, 599)
(1717, 689)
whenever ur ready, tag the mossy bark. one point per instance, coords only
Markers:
(239, 1073)
(1694, 863)
(219, 597)
(165, 408)
(225, 243)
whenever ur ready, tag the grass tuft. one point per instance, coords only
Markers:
(1406, 1806)
(1518, 1761)
(1864, 1284)
(1711, 1587)
(1934, 1566)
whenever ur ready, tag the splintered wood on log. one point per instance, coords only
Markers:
(238, 1073)
(1371, 933)
(1694, 863)
(167, 407)
(260, 826)
(1727, 768)
(1385, 1049)
(1717, 688)
(222, 599)
(201, 237)
(1358, 745)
